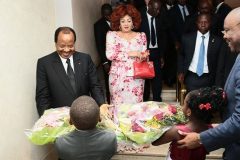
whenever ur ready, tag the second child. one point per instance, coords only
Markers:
(199, 107)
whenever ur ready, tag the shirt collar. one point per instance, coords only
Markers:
(149, 16)
(206, 35)
(64, 60)
(181, 6)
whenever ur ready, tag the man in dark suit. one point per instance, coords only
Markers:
(153, 26)
(226, 134)
(197, 61)
(65, 74)
(221, 10)
(178, 15)
(101, 27)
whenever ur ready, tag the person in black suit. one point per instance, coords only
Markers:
(178, 15)
(198, 58)
(65, 74)
(221, 10)
(101, 27)
(227, 60)
(156, 44)
(225, 64)
(193, 4)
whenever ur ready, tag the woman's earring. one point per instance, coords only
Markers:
(120, 28)
(132, 27)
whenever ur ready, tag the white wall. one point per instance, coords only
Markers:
(80, 15)
(26, 34)
(85, 13)
(63, 13)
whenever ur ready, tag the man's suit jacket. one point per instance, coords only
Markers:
(187, 52)
(225, 64)
(222, 12)
(160, 32)
(53, 86)
(87, 145)
(227, 134)
(101, 28)
(177, 22)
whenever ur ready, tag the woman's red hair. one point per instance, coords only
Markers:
(123, 10)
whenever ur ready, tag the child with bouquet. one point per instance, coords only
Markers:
(86, 141)
(199, 107)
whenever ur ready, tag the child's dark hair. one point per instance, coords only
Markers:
(206, 101)
(84, 113)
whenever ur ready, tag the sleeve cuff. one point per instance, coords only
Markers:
(104, 63)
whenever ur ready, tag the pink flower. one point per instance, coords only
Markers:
(137, 128)
(159, 116)
(172, 109)
(131, 113)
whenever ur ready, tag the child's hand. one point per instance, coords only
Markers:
(104, 111)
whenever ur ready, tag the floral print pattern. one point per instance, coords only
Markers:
(123, 87)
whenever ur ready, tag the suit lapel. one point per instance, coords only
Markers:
(179, 13)
(191, 45)
(211, 45)
(157, 25)
(59, 69)
(78, 70)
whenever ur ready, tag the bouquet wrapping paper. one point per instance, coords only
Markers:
(53, 123)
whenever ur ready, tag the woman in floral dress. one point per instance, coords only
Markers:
(123, 47)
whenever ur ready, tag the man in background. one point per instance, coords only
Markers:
(153, 25)
(101, 27)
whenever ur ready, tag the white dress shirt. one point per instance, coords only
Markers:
(64, 62)
(194, 63)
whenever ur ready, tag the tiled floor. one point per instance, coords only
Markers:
(158, 153)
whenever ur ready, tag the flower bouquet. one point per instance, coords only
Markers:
(136, 125)
(53, 123)
(145, 122)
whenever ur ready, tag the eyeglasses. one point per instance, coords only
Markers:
(226, 31)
